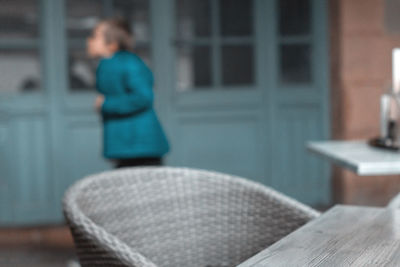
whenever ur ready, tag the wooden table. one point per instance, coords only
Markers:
(358, 156)
(342, 236)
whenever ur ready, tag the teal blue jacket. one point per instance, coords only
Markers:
(131, 128)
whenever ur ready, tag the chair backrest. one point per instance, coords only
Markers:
(184, 217)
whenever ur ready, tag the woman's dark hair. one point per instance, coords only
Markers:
(118, 30)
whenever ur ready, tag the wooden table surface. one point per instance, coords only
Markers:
(358, 156)
(342, 236)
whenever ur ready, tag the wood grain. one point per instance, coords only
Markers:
(343, 236)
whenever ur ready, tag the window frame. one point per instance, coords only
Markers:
(107, 10)
(293, 40)
(23, 45)
(216, 42)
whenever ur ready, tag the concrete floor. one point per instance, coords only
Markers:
(37, 256)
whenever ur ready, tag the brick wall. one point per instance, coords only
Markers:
(56, 237)
(361, 49)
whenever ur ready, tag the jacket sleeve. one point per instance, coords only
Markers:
(139, 93)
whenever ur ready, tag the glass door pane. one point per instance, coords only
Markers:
(236, 17)
(19, 19)
(194, 19)
(295, 64)
(294, 17)
(137, 13)
(215, 44)
(194, 67)
(83, 16)
(19, 71)
(237, 65)
(20, 66)
(295, 42)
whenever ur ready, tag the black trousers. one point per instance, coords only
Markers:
(134, 162)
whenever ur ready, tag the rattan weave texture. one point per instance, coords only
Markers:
(164, 216)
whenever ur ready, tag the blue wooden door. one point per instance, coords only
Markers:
(26, 186)
(240, 87)
(50, 135)
(246, 87)
(79, 132)
(300, 106)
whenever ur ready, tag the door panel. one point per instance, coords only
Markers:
(301, 101)
(25, 183)
(226, 143)
(7, 165)
(236, 93)
(25, 170)
(31, 147)
(294, 171)
(84, 151)
(287, 95)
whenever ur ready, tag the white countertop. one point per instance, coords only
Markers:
(358, 156)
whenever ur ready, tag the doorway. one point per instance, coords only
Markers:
(239, 88)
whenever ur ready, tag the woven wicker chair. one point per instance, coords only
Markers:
(164, 216)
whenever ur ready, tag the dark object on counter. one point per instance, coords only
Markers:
(392, 130)
(390, 141)
(386, 143)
